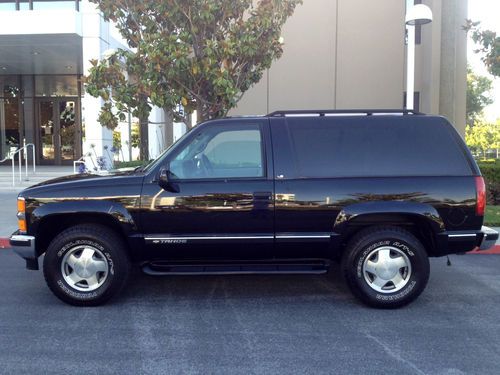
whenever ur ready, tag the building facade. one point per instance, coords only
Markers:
(45, 49)
(337, 54)
(341, 54)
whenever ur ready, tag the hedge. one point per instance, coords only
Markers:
(491, 174)
(129, 164)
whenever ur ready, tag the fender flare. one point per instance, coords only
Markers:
(115, 210)
(416, 209)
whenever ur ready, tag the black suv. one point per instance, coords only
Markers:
(381, 191)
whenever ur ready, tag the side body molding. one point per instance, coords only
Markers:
(112, 209)
(362, 211)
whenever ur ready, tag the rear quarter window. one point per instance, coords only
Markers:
(376, 146)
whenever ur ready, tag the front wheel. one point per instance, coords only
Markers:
(385, 267)
(86, 265)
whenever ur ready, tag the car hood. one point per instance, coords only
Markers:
(85, 180)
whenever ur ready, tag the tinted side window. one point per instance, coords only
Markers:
(221, 152)
(375, 146)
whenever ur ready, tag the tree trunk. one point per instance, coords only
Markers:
(144, 133)
(200, 115)
(144, 128)
(189, 121)
(169, 127)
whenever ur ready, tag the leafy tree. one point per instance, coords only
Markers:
(483, 136)
(186, 55)
(489, 44)
(117, 140)
(135, 140)
(478, 88)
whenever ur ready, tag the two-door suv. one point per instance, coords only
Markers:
(381, 191)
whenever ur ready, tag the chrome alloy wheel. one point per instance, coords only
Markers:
(84, 268)
(387, 269)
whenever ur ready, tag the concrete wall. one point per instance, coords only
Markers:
(370, 54)
(335, 56)
(351, 54)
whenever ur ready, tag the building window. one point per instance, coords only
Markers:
(10, 114)
(8, 6)
(39, 4)
(54, 85)
(51, 5)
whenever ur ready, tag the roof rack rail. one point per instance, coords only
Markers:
(321, 112)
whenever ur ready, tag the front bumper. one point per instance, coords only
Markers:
(24, 246)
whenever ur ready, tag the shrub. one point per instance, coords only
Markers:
(491, 174)
(129, 164)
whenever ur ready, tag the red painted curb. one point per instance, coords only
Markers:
(4, 243)
(494, 250)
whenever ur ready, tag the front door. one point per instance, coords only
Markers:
(222, 204)
(58, 131)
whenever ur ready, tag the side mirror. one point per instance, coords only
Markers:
(164, 181)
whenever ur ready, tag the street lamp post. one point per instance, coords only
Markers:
(418, 14)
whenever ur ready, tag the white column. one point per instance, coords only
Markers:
(95, 42)
(410, 66)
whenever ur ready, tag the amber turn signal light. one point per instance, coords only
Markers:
(22, 225)
(21, 211)
(21, 205)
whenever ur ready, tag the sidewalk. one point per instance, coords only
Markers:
(43, 173)
(8, 193)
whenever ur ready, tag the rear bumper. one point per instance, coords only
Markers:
(490, 238)
(24, 246)
(453, 242)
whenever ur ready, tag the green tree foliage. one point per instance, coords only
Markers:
(117, 140)
(491, 172)
(135, 139)
(483, 136)
(478, 88)
(489, 46)
(202, 54)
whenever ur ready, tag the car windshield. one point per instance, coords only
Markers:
(153, 163)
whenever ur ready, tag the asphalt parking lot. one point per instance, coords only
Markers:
(253, 324)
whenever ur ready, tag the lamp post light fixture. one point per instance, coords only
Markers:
(418, 14)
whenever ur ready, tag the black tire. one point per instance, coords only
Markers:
(106, 242)
(370, 242)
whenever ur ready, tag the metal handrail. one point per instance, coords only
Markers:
(20, 158)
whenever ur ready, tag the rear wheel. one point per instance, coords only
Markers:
(385, 267)
(86, 265)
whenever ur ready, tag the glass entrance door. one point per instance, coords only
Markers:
(67, 130)
(47, 129)
(58, 131)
